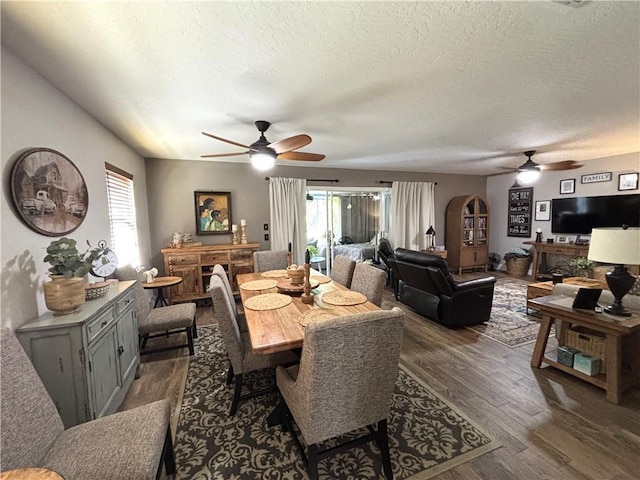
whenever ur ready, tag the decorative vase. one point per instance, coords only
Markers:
(63, 295)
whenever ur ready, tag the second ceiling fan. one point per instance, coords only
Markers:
(263, 153)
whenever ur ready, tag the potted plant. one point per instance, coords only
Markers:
(583, 267)
(518, 261)
(65, 292)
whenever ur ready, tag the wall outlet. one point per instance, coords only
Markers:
(265, 226)
(266, 237)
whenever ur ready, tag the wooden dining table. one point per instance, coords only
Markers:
(280, 329)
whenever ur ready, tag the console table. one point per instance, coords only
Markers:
(616, 329)
(541, 249)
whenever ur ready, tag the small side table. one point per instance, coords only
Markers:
(30, 474)
(159, 284)
(316, 259)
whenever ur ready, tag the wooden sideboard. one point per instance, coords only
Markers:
(194, 264)
(87, 360)
(541, 249)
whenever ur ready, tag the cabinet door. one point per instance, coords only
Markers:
(127, 329)
(104, 372)
(190, 286)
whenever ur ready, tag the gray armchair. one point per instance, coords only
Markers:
(238, 347)
(125, 446)
(270, 260)
(369, 281)
(342, 270)
(172, 319)
(345, 381)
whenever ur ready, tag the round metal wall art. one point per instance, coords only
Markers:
(48, 192)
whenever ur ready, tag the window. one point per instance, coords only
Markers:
(122, 216)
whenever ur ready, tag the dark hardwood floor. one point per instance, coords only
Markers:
(551, 425)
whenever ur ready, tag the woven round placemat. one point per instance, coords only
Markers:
(317, 314)
(343, 298)
(259, 285)
(267, 301)
(274, 273)
(320, 278)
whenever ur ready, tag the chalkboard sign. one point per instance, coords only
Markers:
(520, 211)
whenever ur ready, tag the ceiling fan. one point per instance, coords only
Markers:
(530, 170)
(263, 153)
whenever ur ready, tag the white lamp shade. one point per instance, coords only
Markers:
(615, 245)
(262, 161)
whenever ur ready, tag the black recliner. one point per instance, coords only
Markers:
(425, 284)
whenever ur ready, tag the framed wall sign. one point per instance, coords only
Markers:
(543, 210)
(567, 186)
(48, 192)
(213, 212)
(628, 181)
(596, 177)
(520, 210)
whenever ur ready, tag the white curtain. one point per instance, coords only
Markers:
(288, 212)
(412, 214)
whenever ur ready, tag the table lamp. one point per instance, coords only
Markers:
(431, 235)
(620, 246)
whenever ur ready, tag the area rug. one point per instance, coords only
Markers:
(427, 436)
(510, 323)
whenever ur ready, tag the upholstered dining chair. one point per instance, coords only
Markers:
(369, 281)
(238, 347)
(342, 270)
(161, 321)
(270, 260)
(345, 381)
(219, 271)
(127, 445)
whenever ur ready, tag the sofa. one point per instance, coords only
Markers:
(425, 284)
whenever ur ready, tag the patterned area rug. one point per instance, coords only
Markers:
(509, 323)
(427, 436)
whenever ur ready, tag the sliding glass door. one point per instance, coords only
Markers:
(346, 221)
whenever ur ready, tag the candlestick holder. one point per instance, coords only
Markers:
(243, 235)
(234, 238)
(289, 259)
(306, 296)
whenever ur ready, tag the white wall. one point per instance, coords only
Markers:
(36, 114)
(547, 187)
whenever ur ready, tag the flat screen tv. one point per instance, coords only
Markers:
(578, 215)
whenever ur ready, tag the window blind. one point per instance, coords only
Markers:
(122, 216)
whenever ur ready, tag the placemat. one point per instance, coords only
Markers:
(267, 301)
(319, 278)
(343, 298)
(274, 273)
(317, 314)
(259, 285)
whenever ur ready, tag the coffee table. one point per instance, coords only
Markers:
(543, 289)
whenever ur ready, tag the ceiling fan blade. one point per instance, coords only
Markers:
(291, 143)
(213, 155)
(304, 156)
(511, 169)
(225, 140)
(564, 165)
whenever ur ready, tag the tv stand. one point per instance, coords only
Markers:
(541, 249)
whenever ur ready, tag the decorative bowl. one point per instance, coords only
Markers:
(296, 276)
(95, 290)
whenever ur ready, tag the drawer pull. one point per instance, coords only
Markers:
(120, 350)
(104, 324)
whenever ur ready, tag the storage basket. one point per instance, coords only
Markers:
(518, 266)
(588, 341)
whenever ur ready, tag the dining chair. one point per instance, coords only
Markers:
(238, 347)
(369, 281)
(342, 270)
(220, 272)
(344, 382)
(168, 320)
(270, 260)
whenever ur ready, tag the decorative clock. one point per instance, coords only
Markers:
(106, 264)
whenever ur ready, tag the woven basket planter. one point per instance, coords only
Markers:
(518, 266)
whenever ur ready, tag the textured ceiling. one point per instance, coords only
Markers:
(454, 87)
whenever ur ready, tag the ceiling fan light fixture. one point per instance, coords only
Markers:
(528, 176)
(263, 160)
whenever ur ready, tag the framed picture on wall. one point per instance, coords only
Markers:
(213, 212)
(628, 181)
(567, 186)
(543, 210)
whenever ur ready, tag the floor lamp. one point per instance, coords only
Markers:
(620, 246)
